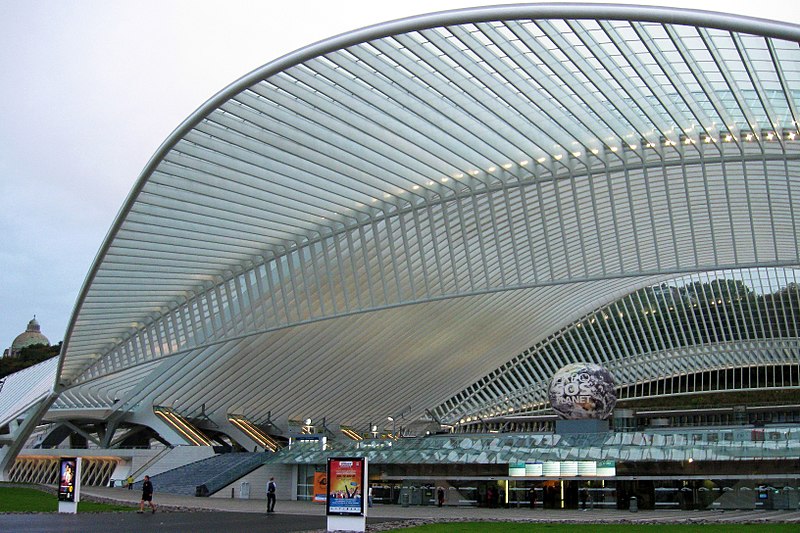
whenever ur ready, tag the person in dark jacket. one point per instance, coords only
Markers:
(147, 495)
(271, 489)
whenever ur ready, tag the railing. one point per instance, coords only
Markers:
(225, 478)
(254, 432)
(182, 426)
(153, 460)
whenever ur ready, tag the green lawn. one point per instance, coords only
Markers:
(31, 500)
(516, 527)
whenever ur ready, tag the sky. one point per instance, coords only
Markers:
(89, 89)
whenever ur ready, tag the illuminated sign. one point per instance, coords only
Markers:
(563, 469)
(606, 468)
(516, 469)
(533, 469)
(346, 486)
(552, 468)
(67, 471)
(569, 468)
(587, 468)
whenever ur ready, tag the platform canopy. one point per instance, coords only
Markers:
(383, 222)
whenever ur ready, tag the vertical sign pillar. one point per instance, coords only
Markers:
(347, 492)
(69, 484)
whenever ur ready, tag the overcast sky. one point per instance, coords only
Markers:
(90, 89)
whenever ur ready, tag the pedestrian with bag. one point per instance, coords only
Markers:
(271, 488)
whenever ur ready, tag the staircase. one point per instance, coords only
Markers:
(213, 473)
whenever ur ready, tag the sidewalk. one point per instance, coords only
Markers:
(188, 514)
(397, 512)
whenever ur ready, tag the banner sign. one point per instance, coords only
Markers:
(320, 487)
(346, 486)
(67, 471)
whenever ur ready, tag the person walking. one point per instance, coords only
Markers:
(147, 495)
(271, 488)
(440, 496)
(130, 482)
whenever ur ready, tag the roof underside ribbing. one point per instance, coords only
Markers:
(368, 226)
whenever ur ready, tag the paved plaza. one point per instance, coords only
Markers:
(180, 514)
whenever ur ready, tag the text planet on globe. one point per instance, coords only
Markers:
(582, 390)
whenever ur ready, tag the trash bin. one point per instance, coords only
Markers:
(244, 490)
(404, 497)
(634, 505)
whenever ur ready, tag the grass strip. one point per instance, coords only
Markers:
(523, 527)
(33, 500)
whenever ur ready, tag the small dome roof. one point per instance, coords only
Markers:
(32, 335)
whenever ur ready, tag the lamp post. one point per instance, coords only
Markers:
(394, 425)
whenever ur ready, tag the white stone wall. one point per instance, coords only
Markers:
(176, 457)
(285, 478)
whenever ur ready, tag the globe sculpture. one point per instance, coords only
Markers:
(582, 390)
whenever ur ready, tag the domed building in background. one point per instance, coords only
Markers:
(32, 335)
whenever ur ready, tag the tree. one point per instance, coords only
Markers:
(28, 356)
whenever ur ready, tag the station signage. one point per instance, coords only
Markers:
(563, 469)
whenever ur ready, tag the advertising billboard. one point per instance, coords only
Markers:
(320, 487)
(67, 470)
(346, 486)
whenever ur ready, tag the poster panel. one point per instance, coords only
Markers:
(320, 487)
(67, 470)
(345, 486)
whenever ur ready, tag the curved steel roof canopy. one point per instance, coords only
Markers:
(368, 225)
